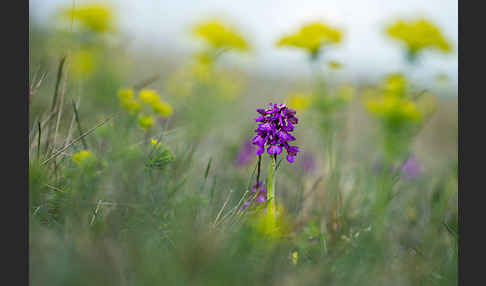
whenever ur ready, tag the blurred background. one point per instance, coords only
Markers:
(162, 28)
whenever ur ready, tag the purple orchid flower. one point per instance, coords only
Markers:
(273, 129)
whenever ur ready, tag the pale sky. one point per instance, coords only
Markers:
(365, 52)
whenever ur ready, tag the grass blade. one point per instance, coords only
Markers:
(76, 140)
(78, 123)
(207, 168)
(58, 82)
(39, 138)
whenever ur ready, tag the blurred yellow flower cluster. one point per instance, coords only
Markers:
(221, 36)
(128, 101)
(393, 103)
(96, 17)
(395, 84)
(418, 35)
(145, 122)
(300, 101)
(159, 106)
(147, 97)
(201, 75)
(392, 106)
(312, 37)
(82, 157)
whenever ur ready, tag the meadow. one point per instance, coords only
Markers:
(147, 172)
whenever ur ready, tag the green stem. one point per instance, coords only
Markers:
(271, 182)
(383, 197)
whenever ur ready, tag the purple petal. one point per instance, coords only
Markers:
(261, 198)
(290, 158)
(261, 111)
(285, 136)
(245, 205)
(290, 112)
(260, 118)
(265, 127)
(260, 150)
(274, 149)
(289, 127)
(293, 150)
(258, 140)
(293, 119)
(412, 168)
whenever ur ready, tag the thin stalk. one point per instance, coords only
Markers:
(383, 198)
(78, 123)
(58, 81)
(271, 181)
(258, 170)
(39, 139)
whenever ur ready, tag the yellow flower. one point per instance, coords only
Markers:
(311, 37)
(418, 35)
(82, 157)
(128, 101)
(201, 71)
(393, 107)
(145, 122)
(159, 106)
(410, 111)
(220, 36)
(162, 108)
(204, 58)
(149, 96)
(83, 63)
(95, 16)
(295, 257)
(395, 84)
(300, 101)
(155, 143)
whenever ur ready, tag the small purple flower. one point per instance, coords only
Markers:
(262, 196)
(246, 154)
(412, 168)
(245, 205)
(257, 195)
(273, 129)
